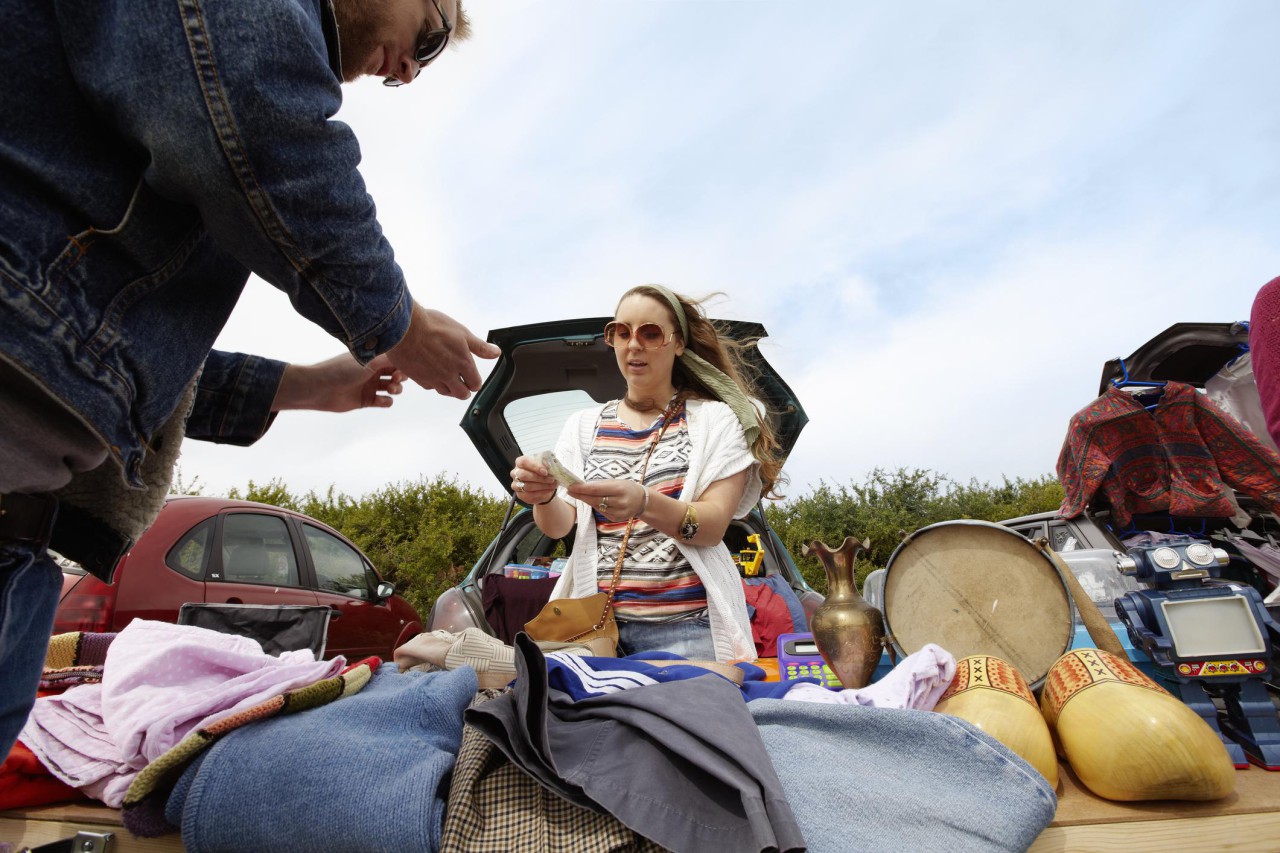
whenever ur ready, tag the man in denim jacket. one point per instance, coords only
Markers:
(154, 153)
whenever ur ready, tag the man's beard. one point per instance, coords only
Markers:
(359, 24)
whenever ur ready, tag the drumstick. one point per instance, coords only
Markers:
(1099, 629)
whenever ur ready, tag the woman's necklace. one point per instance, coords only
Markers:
(639, 407)
(643, 408)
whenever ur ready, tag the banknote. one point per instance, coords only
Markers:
(562, 475)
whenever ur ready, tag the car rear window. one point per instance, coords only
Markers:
(190, 553)
(536, 422)
(257, 548)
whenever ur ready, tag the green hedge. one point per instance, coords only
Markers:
(425, 535)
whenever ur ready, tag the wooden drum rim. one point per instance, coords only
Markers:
(953, 576)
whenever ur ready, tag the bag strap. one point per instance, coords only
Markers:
(667, 417)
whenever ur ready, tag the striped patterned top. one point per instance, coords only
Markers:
(657, 583)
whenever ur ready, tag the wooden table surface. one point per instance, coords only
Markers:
(1247, 820)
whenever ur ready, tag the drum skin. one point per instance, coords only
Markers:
(989, 693)
(1126, 737)
(977, 588)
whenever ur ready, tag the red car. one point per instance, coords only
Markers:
(215, 550)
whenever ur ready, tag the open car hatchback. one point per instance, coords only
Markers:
(547, 372)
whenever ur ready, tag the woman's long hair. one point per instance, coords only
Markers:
(727, 355)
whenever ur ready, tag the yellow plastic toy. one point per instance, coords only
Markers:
(749, 560)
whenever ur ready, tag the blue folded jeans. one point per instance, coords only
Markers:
(884, 779)
(29, 585)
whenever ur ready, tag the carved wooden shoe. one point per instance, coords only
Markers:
(993, 695)
(1126, 737)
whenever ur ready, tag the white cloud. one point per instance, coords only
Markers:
(948, 217)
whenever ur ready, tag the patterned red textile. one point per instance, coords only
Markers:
(1264, 348)
(25, 782)
(1180, 457)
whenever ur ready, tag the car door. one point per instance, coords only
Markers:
(255, 561)
(344, 581)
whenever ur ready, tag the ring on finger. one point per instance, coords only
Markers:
(519, 484)
(604, 503)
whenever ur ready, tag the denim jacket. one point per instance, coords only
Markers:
(154, 153)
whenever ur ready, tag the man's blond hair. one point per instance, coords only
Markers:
(462, 26)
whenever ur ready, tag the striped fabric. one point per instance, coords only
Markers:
(657, 583)
(492, 659)
(74, 658)
(77, 648)
(581, 678)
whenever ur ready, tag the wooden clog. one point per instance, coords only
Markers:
(1126, 737)
(993, 695)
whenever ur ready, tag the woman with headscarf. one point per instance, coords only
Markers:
(665, 471)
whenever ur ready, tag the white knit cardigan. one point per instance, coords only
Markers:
(718, 450)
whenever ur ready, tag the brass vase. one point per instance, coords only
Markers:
(849, 632)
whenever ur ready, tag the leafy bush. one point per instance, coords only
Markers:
(891, 504)
(425, 535)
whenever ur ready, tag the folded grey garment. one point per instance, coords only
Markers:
(887, 779)
(678, 762)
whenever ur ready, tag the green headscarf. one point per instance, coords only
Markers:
(717, 382)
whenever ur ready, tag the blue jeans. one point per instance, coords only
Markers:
(29, 585)
(689, 638)
(883, 780)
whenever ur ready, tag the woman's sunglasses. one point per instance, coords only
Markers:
(430, 45)
(650, 335)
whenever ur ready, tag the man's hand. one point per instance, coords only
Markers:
(439, 353)
(338, 385)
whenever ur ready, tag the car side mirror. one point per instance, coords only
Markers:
(385, 590)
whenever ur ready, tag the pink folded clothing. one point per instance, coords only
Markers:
(160, 682)
(918, 681)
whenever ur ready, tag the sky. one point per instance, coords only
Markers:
(947, 216)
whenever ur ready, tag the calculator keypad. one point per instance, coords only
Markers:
(820, 671)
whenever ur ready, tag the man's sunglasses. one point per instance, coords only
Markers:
(650, 335)
(430, 45)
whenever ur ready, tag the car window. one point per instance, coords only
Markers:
(191, 552)
(1063, 537)
(339, 567)
(536, 422)
(535, 544)
(1030, 531)
(256, 548)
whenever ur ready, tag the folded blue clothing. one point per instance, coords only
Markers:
(368, 772)
(882, 779)
(582, 676)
